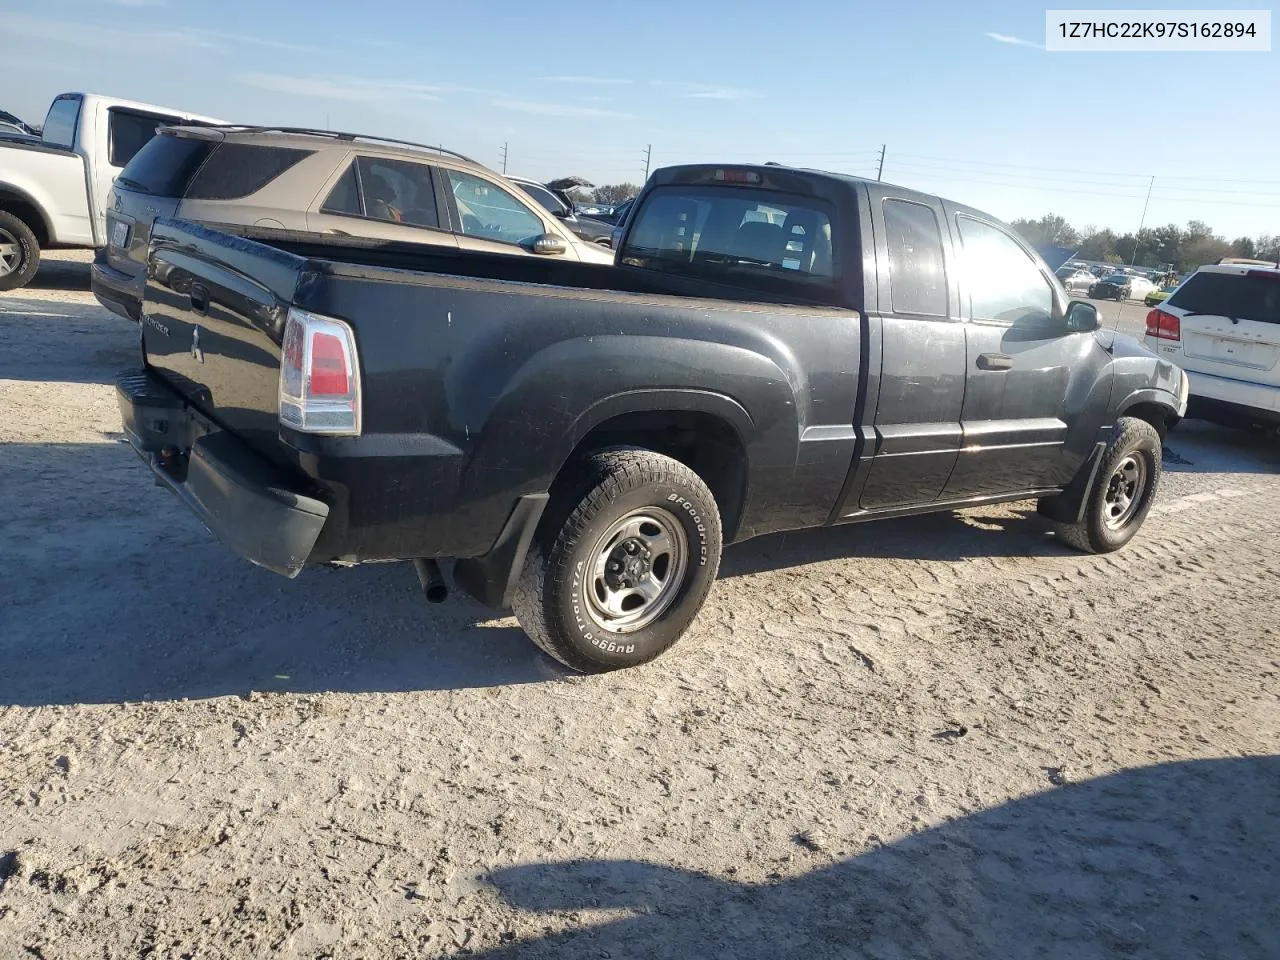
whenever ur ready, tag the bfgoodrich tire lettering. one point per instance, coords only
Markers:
(1123, 491)
(619, 513)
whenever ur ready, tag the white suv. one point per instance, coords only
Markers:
(1222, 326)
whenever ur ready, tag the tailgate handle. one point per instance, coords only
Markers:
(995, 361)
(199, 298)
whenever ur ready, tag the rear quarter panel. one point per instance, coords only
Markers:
(54, 180)
(477, 391)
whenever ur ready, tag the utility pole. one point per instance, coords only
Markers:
(504, 158)
(1141, 223)
(648, 155)
(880, 169)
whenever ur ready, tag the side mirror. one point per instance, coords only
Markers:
(1081, 317)
(549, 245)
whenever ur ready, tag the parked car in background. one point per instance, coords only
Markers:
(1121, 286)
(53, 191)
(8, 129)
(777, 349)
(320, 182)
(12, 124)
(617, 213)
(1077, 281)
(1160, 294)
(620, 214)
(1222, 326)
(555, 203)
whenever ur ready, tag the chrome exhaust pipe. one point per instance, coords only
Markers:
(434, 587)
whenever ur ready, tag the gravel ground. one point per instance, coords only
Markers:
(936, 737)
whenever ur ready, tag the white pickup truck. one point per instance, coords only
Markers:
(53, 190)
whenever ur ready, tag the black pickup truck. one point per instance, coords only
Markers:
(775, 349)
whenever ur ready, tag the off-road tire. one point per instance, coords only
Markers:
(595, 493)
(29, 252)
(1133, 437)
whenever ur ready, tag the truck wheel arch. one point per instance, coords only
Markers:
(1155, 406)
(18, 203)
(709, 432)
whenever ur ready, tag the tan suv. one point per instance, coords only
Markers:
(318, 182)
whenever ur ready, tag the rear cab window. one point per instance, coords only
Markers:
(1254, 295)
(745, 235)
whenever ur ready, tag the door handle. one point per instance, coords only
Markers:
(336, 232)
(199, 298)
(995, 361)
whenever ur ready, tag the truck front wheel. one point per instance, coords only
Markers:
(622, 564)
(1123, 491)
(19, 252)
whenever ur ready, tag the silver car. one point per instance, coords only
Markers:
(1079, 280)
(318, 182)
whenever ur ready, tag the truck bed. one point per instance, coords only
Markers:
(347, 253)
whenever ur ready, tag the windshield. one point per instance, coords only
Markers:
(716, 230)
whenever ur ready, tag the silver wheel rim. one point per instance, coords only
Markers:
(1124, 491)
(10, 253)
(636, 570)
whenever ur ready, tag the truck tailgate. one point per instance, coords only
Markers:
(212, 332)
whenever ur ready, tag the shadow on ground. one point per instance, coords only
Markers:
(1176, 860)
(62, 274)
(1199, 446)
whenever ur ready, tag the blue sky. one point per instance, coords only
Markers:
(962, 94)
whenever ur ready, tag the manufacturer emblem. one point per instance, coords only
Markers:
(196, 353)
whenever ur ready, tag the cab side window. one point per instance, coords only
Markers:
(917, 277)
(1002, 282)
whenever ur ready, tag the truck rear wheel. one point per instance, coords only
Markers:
(622, 564)
(1123, 491)
(19, 252)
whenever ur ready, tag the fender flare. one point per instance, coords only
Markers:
(657, 399)
(1177, 406)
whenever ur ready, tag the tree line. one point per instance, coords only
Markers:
(1184, 247)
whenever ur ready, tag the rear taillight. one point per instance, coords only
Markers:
(1163, 325)
(319, 376)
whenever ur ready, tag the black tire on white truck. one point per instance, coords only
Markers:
(19, 252)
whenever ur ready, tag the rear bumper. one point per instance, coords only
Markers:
(1221, 395)
(238, 496)
(116, 290)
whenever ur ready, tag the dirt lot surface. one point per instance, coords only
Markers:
(938, 737)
